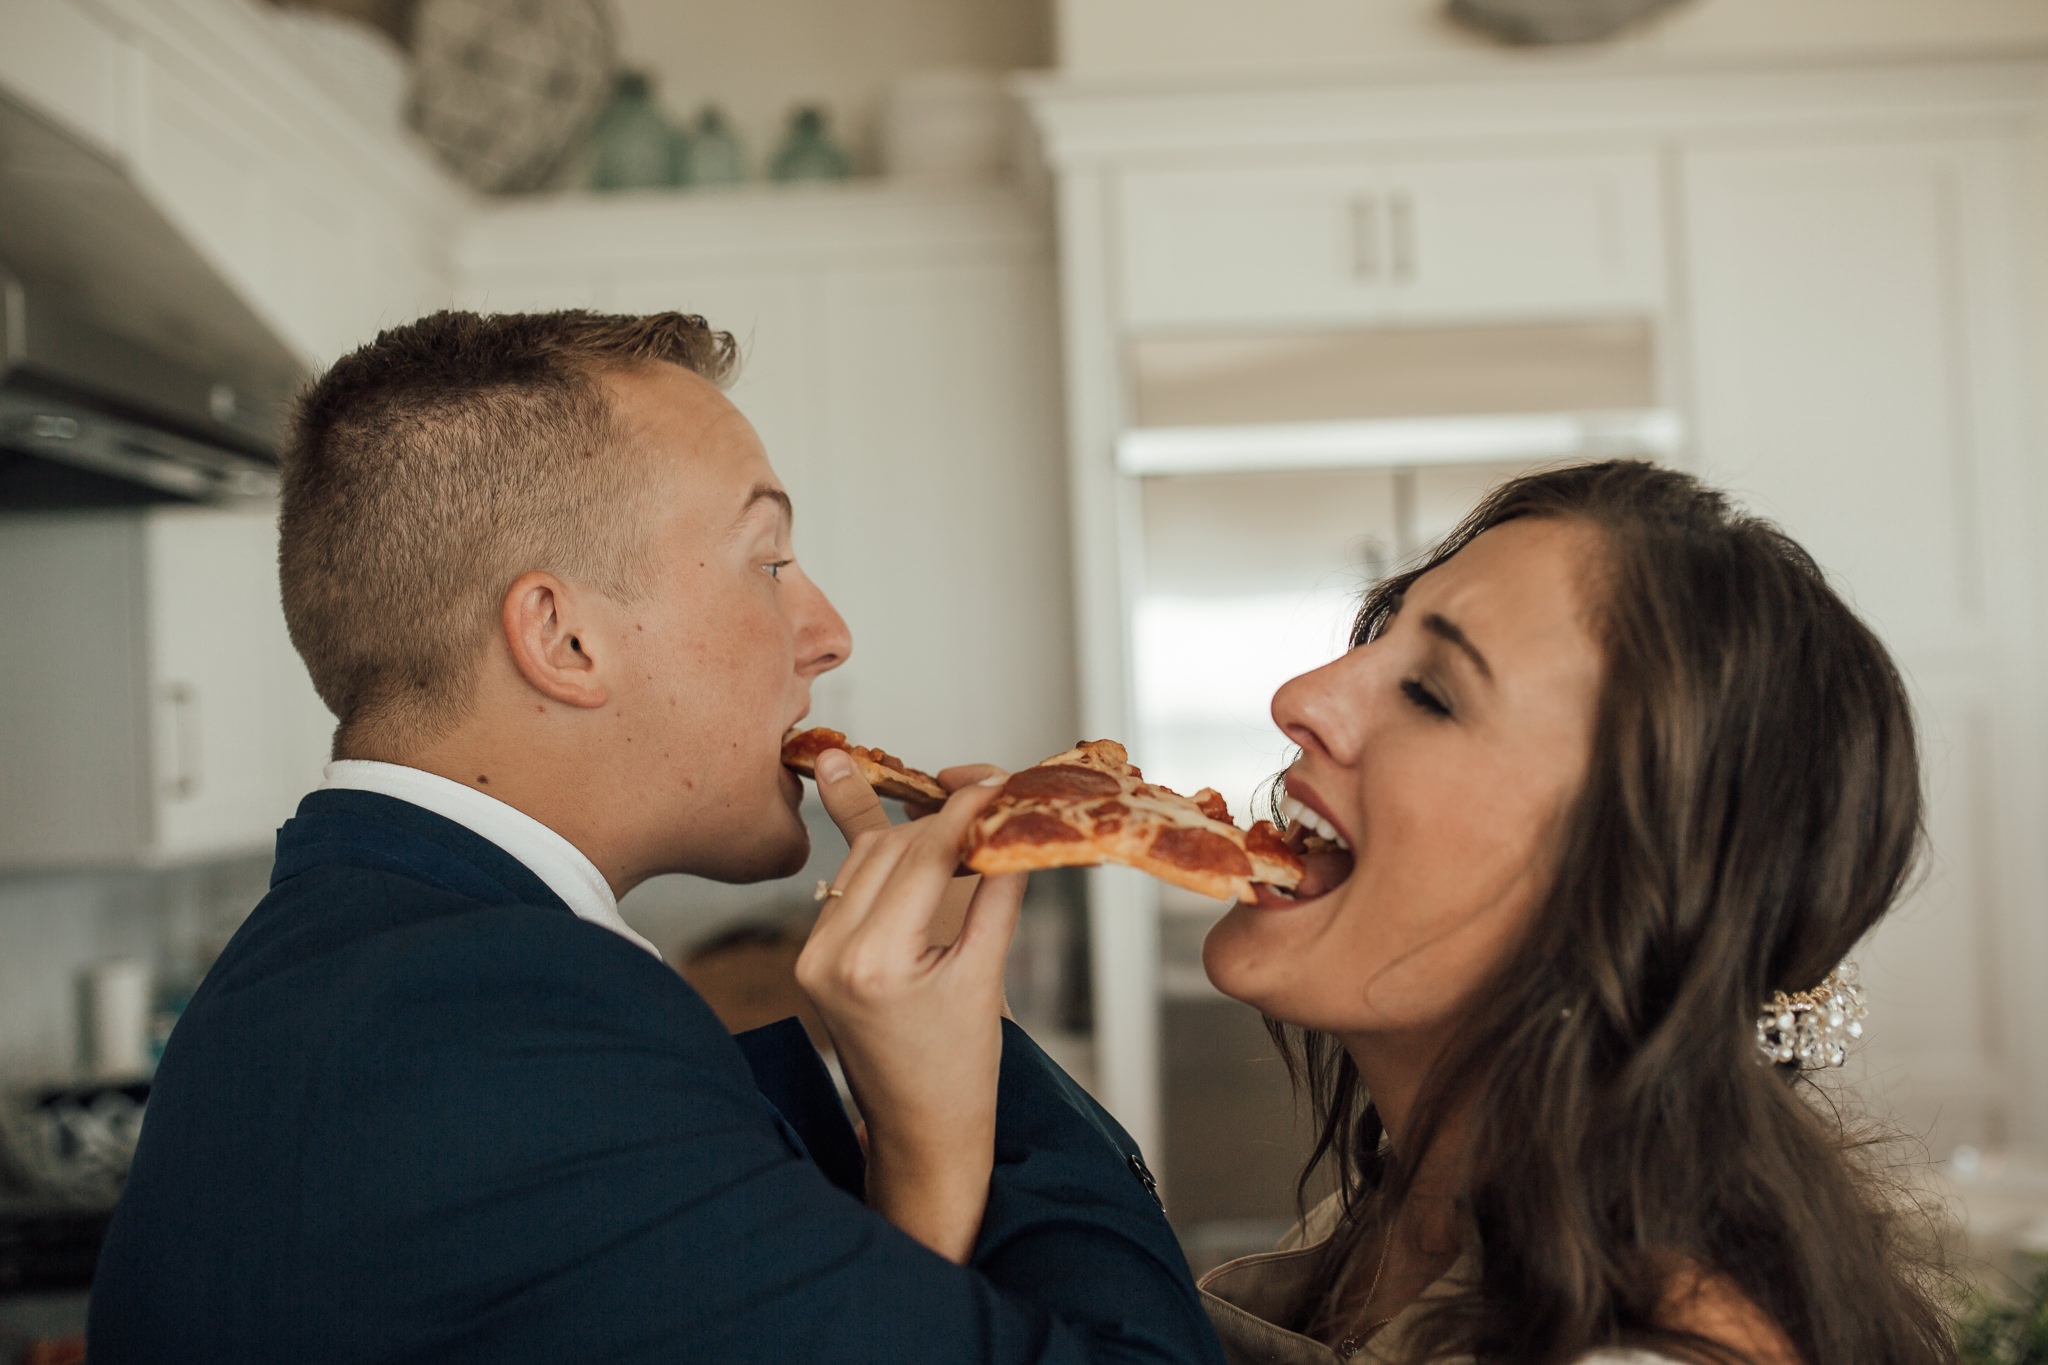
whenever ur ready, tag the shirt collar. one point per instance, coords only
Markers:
(545, 853)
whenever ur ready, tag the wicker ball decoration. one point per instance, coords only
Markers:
(503, 90)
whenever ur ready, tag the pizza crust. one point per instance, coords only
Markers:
(1090, 805)
(889, 775)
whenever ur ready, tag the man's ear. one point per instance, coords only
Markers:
(543, 631)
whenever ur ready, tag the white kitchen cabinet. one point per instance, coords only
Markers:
(171, 719)
(66, 63)
(1855, 342)
(940, 420)
(330, 232)
(1508, 238)
(1858, 377)
(1387, 240)
(326, 226)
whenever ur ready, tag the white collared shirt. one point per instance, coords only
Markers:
(545, 853)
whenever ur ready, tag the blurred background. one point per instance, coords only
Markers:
(1110, 349)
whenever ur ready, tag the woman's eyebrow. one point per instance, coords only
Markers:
(1446, 629)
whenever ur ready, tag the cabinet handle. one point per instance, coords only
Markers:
(183, 782)
(1401, 220)
(1365, 237)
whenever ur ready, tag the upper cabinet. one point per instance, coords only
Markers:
(1859, 377)
(172, 719)
(1856, 353)
(237, 733)
(327, 227)
(1389, 240)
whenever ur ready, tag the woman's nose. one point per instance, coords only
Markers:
(1317, 710)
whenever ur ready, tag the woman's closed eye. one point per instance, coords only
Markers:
(1423, 698)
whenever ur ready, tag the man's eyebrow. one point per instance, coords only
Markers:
(765, 493)
(1447, 629)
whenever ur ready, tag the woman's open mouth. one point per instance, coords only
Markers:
(1325, 854)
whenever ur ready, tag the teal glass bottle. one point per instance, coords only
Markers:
(808, 152)
(633, 147)
(714, 156)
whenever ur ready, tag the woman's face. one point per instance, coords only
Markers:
(1443, 754)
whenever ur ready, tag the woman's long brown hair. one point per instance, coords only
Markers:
(1752, 808)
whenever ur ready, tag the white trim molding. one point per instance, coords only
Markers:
(1399, 443)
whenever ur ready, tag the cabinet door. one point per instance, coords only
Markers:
(237, 733)
(66, 62)
(1853, 361)
(1857, 379)
(960, 628)
(1253, 247)
(71, 720)
(1449, 239)
(1522, 238)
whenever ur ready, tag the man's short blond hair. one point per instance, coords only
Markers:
(426, 471)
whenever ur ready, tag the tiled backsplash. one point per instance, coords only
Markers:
(52, 925)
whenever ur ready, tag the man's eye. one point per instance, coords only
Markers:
(776, 567)
(1424, 698)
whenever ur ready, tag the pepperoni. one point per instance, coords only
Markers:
(1209, 801)
(1263, 838)
(1201, 850)
(1060, 779)
(1033, 827)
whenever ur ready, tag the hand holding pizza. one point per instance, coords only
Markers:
(909, 974)
(917, 1023)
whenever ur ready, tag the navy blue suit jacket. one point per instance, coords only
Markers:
(419, 1111)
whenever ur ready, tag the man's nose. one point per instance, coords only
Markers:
(824, 641)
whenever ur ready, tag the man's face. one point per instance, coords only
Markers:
(717, 658)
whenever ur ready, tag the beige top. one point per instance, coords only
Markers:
(1248, 1298)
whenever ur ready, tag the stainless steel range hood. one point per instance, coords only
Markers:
(88, 399)
(129, 370)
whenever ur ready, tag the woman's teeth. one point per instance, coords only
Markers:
(1295, 813)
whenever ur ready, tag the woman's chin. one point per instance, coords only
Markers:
(1243, 949)
(1219, 964)
(1261, 952)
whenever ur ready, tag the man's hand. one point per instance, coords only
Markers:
(911, 990)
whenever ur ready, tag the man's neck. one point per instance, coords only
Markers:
(557, 794)
(547, 854)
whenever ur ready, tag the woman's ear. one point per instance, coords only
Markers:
(552, 648)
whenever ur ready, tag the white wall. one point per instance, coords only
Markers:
(1231, 37)
(759, 59)
(52, 925)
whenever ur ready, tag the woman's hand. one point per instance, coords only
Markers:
(915, 1007)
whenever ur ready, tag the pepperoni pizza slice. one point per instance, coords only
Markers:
(1090, 805)
(889, 775)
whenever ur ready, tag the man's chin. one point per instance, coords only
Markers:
(781, 855)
